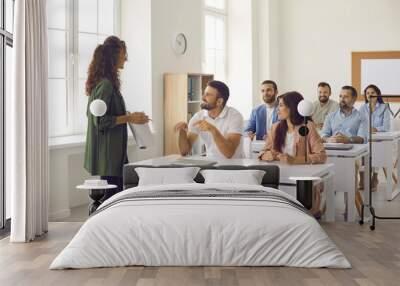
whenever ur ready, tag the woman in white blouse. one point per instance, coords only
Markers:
(285, 144)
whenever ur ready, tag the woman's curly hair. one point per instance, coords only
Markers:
(104, 64)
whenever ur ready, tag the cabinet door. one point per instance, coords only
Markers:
(175, 109)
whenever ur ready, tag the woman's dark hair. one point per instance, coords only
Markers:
(290, 100)
(222, 88)
(377, 90)
(104, 64)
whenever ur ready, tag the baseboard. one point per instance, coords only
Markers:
(59, 214)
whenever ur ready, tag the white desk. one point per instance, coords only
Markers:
(345, 176)
(324, 171)
(386, 149)
(252, 148)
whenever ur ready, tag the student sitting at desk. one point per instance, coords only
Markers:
(324, 105)
(285, 144)
(263, 116)
(347, 125)
(219, 126)
(381, 121)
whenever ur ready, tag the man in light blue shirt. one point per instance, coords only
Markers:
(265, 115)
(346, 124)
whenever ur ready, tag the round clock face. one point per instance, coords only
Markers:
(180, 44)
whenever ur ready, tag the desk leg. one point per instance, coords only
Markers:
(367, 174)
(344, 181)
(330, 198)
(389, 183)
(394, 193)
(351, 192)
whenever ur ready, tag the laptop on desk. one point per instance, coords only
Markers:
(338, 146)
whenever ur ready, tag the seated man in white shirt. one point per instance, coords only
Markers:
(220, 127)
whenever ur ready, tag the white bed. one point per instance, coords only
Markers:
(185, 230)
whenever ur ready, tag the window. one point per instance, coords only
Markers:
(75, 28)
(6, 44)
(215, 38)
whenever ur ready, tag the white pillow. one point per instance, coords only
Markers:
(248, 177)
(166, 176)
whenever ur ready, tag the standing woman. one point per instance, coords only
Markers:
(106, 139)
(381, 122)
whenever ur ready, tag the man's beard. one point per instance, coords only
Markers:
(323, 99)
(344, 106)
(269, 99)
(207, 106)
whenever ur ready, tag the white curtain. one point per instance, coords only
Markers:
(28, 157)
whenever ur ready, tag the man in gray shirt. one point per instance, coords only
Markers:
(323, 106)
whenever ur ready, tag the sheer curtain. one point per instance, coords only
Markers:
(28, 157)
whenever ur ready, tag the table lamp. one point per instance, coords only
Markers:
(306, 109)
(304, 185)
(98, 108)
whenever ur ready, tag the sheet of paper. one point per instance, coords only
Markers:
(142, 135)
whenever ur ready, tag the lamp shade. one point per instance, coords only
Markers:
(98, 107)
(305, 108)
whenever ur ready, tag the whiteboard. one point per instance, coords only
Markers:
(384, 73)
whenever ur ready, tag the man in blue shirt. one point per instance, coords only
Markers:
(263, 116)
(346, 124)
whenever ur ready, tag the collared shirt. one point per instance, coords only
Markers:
(381, 119)
(320, 112)
(352, 125)
(228, 121)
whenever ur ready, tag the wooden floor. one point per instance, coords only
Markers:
(375, 257)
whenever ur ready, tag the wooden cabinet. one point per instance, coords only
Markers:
(182, 99)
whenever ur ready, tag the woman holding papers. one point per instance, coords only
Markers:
(106, 139)
(285, 144)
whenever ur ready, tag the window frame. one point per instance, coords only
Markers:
(72, 76)
(6, 39)
(217, 13)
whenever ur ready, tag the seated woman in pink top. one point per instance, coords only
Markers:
(285, 144)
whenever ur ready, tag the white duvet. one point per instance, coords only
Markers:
(200, 231)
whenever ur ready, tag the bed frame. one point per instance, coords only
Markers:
(270, 179)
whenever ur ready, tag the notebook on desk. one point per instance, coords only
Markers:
(338, 146)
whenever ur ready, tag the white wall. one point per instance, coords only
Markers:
(148, 28)
(167, 19)
(240, 56)
(136, 76)
(316, 39)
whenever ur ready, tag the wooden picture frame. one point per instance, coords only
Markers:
(357, 57)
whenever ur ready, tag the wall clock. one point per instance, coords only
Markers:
(179, 44)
